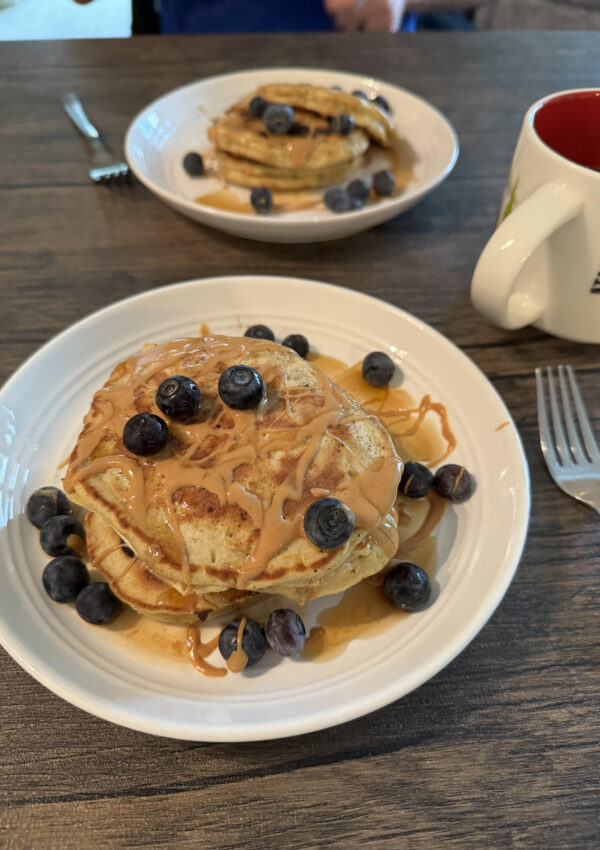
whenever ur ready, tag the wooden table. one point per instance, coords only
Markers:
(500, 749)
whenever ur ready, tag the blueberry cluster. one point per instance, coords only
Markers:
(356, 193)
(379, 100)
(407, 586)
(297, 342)
(65, 578)
(451, 481)
(284, 632)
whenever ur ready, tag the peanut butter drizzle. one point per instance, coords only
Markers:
(292, 201)
(198, 652)
(394, 406)
(238, 659)
(154, 480)
(502, 425)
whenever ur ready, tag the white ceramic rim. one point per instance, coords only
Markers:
(413, 194)
(365, 702)
(535, 137)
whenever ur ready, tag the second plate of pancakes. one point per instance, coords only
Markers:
(184, 120)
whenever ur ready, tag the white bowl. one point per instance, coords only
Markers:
(161, 134)
(479, 542)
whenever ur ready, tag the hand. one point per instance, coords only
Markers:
(353, 15)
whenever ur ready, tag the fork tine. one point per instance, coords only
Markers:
(584, 420)
(546, 441)
(560, 438)
(577, 449)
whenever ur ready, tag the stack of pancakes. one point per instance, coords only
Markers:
(217, 516)
(311, 155)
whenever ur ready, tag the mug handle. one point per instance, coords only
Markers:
(512, 244)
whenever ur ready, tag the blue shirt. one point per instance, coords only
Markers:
(181, 16)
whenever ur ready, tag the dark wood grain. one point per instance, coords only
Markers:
(500, 749)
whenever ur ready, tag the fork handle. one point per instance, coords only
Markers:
(74, 109)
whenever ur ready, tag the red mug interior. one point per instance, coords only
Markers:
(570, 125)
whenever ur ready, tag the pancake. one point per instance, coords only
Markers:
(222, 505)
(243, 172)
(135, 584)
(239, 134)
(329, 102)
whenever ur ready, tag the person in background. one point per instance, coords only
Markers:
(177, 16)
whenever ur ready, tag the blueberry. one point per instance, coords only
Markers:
(193, 164)
(46, 503)
(97, 604)
(328, 523)
(453, 482)
(384, 183)
(254, 642)
(361, 95)
(358, 190)
(336, 88)
(382, 102)
(301, 130)
(342, 124)
(261, 200)
(258, 106)
(241, 387)
(62, 535)
(260, 332)
(178, 397)
(407, 586)
(416, 481)
(338, 200)
(285, 632)
(298, 343)
(145, 434)
(63, 578)
(278, 118)
(378, 369)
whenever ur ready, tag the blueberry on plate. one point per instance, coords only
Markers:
(178, 397)
(254, 642)
(241, 387)
(453, 482)
(382, 102)
(97, 604)
(338, 200)
(193, 164)
(46, 503)
(328, 523)
(358, 190)
(416, 481)
(384, 183)
(378, 369)
(407, 586)
(298, 343)
(261, 200)
(278, 118)
(285, 632)
(336, 88)
(260, 332)
(361, 95)
(64, 578)
(342, 124)
(145, 434)
(257, 106)
(62, 535)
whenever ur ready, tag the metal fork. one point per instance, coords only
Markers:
(106, 169)
(566, 436)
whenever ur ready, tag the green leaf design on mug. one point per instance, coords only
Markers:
(511, 201)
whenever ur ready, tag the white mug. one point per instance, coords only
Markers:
(542, 265)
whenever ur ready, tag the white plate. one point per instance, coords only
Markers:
(480, 542)
(160, 136)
